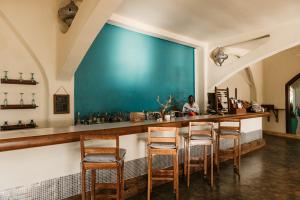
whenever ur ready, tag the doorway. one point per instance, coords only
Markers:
(292, 105)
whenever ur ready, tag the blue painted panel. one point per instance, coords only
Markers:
(125, 71)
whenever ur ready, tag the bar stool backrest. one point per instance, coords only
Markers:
(96, 145)
(230, 124)
(169, 135)
(201, 128)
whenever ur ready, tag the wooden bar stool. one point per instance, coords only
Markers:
(163, 141)
(200, 133)
(95, 157)
(230, 129)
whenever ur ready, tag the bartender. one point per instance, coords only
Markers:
(191, 108)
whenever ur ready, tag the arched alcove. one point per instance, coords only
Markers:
(16, 56)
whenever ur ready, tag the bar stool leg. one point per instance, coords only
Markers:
(93, 184)
(212, 166)
(174, 172)
(205, 160)
(217, 153)
(239, 153)
(149, 175)
(188, 165)
(122, 181)
(118, 181)
(83, 184)
(176, 175)
(185, 157)
(235, 153)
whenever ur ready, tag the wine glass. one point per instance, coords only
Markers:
(21, 76)
(21, 100)
(5, 75)
(33, 100)
(5, 102)
(32, 77)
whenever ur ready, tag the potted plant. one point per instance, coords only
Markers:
(293, 120)
(164, 107)
(298, 110)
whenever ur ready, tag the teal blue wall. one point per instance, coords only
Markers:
(125, 71)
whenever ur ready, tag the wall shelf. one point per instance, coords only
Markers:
(18, 106)
(18, 81)
(17, 127)
(271, 108)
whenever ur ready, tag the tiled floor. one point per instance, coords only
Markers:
(270, 173)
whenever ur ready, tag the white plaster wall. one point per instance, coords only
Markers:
(32, 30)
(239, 81)
(14, 59)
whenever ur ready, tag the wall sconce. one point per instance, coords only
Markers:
(68, 12)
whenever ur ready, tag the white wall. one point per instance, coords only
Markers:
(28, 32)
(278, 70)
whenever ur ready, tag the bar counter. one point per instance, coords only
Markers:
(21, 139)
(35, 162)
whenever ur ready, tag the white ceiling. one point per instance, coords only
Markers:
(211, 20)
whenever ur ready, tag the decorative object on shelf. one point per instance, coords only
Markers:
(164, 107)
(33, 100)
(20, 125)
(6, 75)
(21, 100)
(137, 116)
(61, 102)
(5, 101)
(68, 13)
(21, 76)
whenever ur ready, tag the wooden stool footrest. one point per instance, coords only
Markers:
(106, 196)
(106, 185)
(162, 172)
(163, 178)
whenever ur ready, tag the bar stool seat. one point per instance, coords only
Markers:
(226, 132)
(162, 146)
(105, 158)
(201, 137)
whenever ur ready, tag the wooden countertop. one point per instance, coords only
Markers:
(20, 139)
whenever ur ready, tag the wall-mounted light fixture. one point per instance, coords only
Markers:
(68, 13)
(219, 56)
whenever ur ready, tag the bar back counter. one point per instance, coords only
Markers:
(45, 163)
